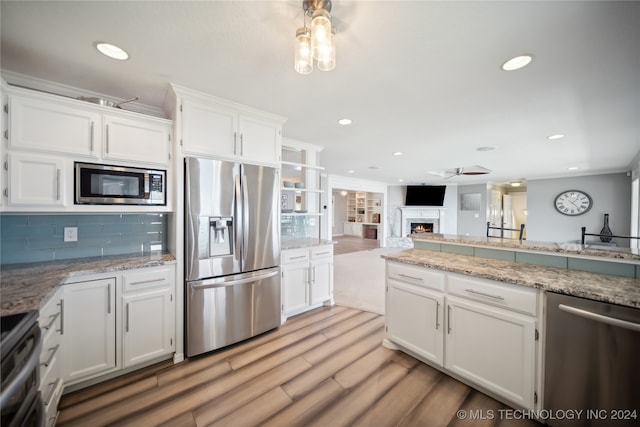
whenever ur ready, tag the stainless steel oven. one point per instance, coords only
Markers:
(20, 345)
(99, 184)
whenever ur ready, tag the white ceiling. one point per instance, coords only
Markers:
(419, 77)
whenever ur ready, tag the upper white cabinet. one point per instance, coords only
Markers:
(35, 180)
(144, 141)
(213, 127)
(50, 125)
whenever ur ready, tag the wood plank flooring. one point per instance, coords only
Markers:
(326, 367)
(348, 244)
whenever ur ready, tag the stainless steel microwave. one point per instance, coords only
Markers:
(97, 184)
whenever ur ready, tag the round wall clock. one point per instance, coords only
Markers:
(573, 202)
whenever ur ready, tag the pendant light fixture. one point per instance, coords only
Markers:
(318, 42)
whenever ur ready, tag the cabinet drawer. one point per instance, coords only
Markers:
(49, 361)
(294, 255)
(148, 278)
(415, 275)
(517, 298)
(321, 251)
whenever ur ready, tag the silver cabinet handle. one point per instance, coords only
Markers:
(61, 317)
(53, 351)
(437, 310)
(235, 142)
(109, 298)
(498, 297)
(448, 319)
(57, 184)
(298, 257)
(143, 282)
(127, 323)
(107, 139)
(313, 274)
(51, 389)
(406, 276)
(322, 253)
(52, 321)
(600, 318)
(241, 144)
(91, 137)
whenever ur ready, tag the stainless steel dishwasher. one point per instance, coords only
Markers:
(592, 352)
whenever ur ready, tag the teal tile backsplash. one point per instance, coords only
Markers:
(31, 238)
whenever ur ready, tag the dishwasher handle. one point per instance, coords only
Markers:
(600, 318)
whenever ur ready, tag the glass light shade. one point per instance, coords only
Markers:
(321, 33)
(327, 60)
(303, 58)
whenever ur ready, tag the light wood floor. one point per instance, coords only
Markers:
(323, 368)
(347, 244)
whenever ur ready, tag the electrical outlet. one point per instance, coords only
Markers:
(71, 234)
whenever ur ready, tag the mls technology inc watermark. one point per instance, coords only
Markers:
(548, 415)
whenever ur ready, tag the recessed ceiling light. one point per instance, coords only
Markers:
(573, 168)
(398, 153)
(515, 184)
(112, 51)
(351, 171)
(487, 148)
(556, 136)
(517, 63)
(401, 180)
(345, 122)
(374, 167)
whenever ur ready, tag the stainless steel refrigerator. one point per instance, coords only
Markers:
(232, 253)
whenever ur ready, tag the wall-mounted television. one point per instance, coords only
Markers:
(425, 195)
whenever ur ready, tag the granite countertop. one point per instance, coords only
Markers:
(568, 248)
(304, 243)
(29, 286)
(601, 287)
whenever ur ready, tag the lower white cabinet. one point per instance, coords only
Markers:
(307, 278)
(115, 323)
(493, 348)
(415, 319)
(89, 329)
(478, 330)
(51, 383)
(353, 229)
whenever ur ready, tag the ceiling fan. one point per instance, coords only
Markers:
(466, 170)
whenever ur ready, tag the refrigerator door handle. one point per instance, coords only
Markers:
(222, 282)
(245, 218)
(239, 228)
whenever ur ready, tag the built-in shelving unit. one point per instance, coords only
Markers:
(364, 212)
(300, 191)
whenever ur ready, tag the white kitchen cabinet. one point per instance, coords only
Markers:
(52, 124)
(218, 128)
(144, 141)
(321, 274)
(89, 329)
(36, 180)
(415, 319)
(307, 278)
(148, 314)
(353, 229)
(493, 348)
(51, 383)
(478, 330)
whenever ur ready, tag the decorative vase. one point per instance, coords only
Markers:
(605, 233)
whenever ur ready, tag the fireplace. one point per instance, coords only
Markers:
(421, 227)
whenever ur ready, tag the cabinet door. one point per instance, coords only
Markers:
(415, 319)
(136, 140)
(89, 329)
(147, 326)
(208, 129)
(50, 126)
(295, 279)
(321, 271)
(493, 348)
(260, 140)
(36, 180)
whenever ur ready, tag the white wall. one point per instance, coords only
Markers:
(473, 223)
(611, 194)
(339, 212)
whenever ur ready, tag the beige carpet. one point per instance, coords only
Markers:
(358, 279)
